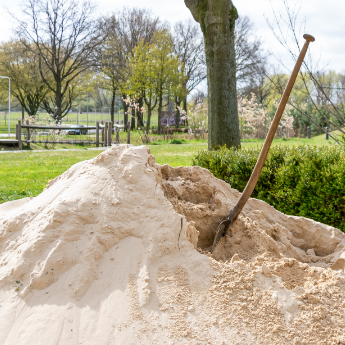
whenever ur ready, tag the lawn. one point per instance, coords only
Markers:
(71, 118)
(319, 140)
(25, 174)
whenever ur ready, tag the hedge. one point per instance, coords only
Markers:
(303, 181)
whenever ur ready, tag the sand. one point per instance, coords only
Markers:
(116, 251)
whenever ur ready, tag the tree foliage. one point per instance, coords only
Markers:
(124, 30)
(21, 65)
(156, 73)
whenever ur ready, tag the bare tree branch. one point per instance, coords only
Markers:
(65, 34)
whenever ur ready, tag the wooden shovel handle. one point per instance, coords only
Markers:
(309, 38)
(222, 229)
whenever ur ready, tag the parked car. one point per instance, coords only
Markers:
(77, 131)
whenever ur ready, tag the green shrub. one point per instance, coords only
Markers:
(302, 181)
(158, 142)
(177, 141)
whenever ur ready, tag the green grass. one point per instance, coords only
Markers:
(25, 174)
(136, 139)
(319, 140)
(71, 118)
(176, 155)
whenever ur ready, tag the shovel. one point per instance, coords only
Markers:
(225, 224)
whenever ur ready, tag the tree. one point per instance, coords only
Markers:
(130, 26)
(143, 79)
(98, 93)
(134, 25)
(22, 66)
(217, 22)
(64, 34)
(288, 29)
(156, 73)
(259, 84)
(69, 96)
(250, 59)
(111, 57)
(189, 46)
(169, 71)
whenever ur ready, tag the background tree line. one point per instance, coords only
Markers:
(64, 52)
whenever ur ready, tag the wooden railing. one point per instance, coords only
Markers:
(103, 134)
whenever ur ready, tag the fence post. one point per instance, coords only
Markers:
(20, 145)
(27, 134)
(102, 134)
(128, 132)
(326, 133)
(16, 131)
(97, 134)
(110, 132)
(308, 132)
(106, 134)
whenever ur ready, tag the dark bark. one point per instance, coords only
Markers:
(149, 113)
(217, 21)
(133, 119)
(185, 105)
(140, 120)
(58, 102)
(22, 114)
(125, 114)
(112, 106)
(185, 122)
(177, 116)
(160, 107)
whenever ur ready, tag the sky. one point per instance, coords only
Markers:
(326, 22)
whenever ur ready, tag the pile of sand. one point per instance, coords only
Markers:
(115, 251)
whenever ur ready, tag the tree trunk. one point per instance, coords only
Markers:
(58, 103)
(304, 130)
(185, 105)
(125, 114)
(184, 100)
(160, 106)
(112, 113)
(149, 112)
(217, 20)
(296, 127)
(22, 114)
(140, 120)
(177, 116)
(133, 119)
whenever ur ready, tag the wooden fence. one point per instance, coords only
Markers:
(104, 133)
